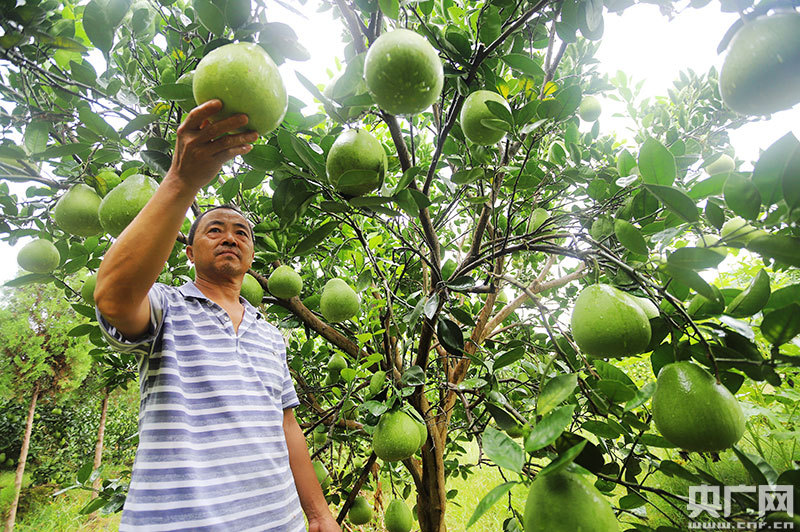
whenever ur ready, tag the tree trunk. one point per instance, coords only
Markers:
(98, 450)
(432, 498)
(23, 456)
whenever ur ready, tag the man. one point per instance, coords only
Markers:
(219, 446)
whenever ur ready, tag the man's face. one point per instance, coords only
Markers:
(222, 245)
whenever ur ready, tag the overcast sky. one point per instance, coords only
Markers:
(642, 42)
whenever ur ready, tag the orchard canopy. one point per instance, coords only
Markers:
(457, 180)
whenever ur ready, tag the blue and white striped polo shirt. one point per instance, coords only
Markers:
(212, 453)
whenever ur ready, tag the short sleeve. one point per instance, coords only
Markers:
(144, 344)
(289, 397)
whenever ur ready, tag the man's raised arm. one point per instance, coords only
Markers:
(134, 261)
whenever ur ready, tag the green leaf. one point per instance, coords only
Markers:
(406, 201)
(81, 330)
(615, 391)
(625, 163)
(675, 200)
(500, 111)
(174, 91)
(780, 326)
(406, 179)
(691, 258)
(691, 279)
(656, 163)
(100, 33)
(450, 336)
(563, 105)
(465, 177)
(784, 296)
(555, 391)
(96, 123)
(564, 459)
(229, 189)
(711, 186)
(768, 171)
(502, 450)
(317, 237)
(751, 299)
(549, 428)
(782, 248)
(790, 181)
(390, 8)
(489, 500)
(742, 196)
(264, 157)
(630, 237)
(524, 64)
(413, 376)
(36, 135)
(28, 279)
(642, 395)
(137, 123)
(252, 179)
(211, 17)
(759, 470)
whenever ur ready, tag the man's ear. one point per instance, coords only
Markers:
(190, 253)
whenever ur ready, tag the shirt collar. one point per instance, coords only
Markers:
(190, 290)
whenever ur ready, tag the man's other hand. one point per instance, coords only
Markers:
(324, 523)
(203, 147)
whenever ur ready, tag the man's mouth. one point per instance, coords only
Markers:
(232, 253)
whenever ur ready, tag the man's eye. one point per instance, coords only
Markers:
(213, 229)
(241, 233)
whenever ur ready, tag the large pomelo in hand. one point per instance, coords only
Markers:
(567, 502)
(396, 437)
(339, 302)
(403, 72)
(38, 256)
(398, 517)
(607, 322)
(246, 79)
(695, 412)
(123, 203)
(761, 73)
(251, 290)
(76, 211)
(356, 163)
(285, 283)
(475, 110)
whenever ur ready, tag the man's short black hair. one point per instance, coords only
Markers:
(196, 223)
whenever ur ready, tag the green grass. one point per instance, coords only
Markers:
(61, 514)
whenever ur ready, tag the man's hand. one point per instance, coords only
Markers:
(325, 523)
(202, 148)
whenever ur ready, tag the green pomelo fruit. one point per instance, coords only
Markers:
(567, 502)
(710, 241)
(650, 309)
(423, 434)
(361, 512)
(722, 164)
(607, 322)
(323, 477)
(339, 302)
(121, 205)
(237, 12)
(38, 256)
(693, 411)
(76, 211)
(590, 109)
(336, 363)
(247, 81)
(188, 104)
(398, 517)
(87, 290)
(396, 436)
(312, 302)
(403, 72)
(356, 163)
(251, 290)
(474, 110)
(285, 283)
(106, 180)
(737, 230)
(761, 73)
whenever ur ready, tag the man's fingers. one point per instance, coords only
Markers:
(229, 153)
(232, 123)
(201, 113)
